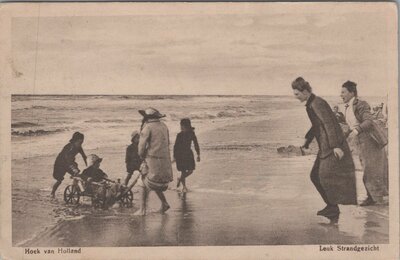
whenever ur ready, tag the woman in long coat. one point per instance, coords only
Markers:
(154, 151)
(333, 170)
(369, 142)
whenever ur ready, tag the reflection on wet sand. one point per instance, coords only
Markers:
(186, 222)
(163, 229)
(199, 218)
(360, 223)
(149, 229)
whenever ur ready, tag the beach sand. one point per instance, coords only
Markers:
(242, 193)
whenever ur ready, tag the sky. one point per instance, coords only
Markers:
(258, 51)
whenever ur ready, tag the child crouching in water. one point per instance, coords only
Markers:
(183, 154)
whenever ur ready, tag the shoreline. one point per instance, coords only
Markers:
(104, 150)
(223, 196)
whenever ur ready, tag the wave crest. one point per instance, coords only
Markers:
(23, 124)
(38, 132)
(230, 112)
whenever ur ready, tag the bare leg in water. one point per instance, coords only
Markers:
(55, 187)
(164, 204)
(128, 177)
(143, 202)
(136, 175)
(179, 180)
(183, 179)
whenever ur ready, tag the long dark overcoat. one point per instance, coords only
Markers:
(337, 177)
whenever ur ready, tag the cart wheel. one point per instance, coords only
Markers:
(71, 195)
(127, 199)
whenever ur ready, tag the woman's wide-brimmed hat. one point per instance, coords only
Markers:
(77, 136)
(151, 113)
(94, 159)
(187, 123)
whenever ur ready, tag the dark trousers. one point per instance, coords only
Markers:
(316, 181)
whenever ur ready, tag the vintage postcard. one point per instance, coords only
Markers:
(199, 131)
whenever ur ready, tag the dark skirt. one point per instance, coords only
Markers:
(132, 166)
(185, 161)
(337, 178)
(60, 170)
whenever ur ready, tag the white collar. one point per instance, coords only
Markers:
(351, 101)
(153, 120)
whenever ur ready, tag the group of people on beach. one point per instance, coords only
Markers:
(148, 160)
(348, 141)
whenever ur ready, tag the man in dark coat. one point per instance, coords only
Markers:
(333, 170)
(370, 140)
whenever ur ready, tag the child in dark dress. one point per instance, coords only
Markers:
(132, 158)
(183, 154)
(65, 161)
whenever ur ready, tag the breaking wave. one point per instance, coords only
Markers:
(37, 132)
(227, 113)
(23, 124)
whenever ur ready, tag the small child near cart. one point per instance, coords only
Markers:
(93, 176)
(132, 159)
(93, 173)
(94, 183)
(98, 184)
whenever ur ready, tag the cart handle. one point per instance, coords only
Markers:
(109, 180)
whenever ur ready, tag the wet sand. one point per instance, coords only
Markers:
(242, 193)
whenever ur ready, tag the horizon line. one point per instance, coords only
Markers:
(227, 95)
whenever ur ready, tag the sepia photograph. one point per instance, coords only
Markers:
(149, 128)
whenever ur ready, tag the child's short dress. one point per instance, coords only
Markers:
(65, 162)
(183, 153)
(132, 158)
